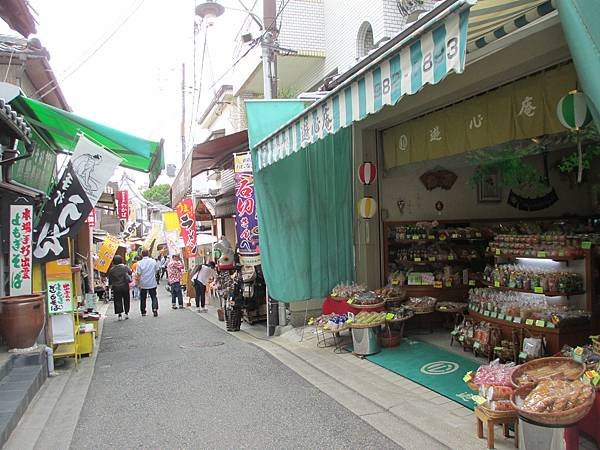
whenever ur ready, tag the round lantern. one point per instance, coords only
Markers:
(367, 172)
(367, 207)
(572, 111)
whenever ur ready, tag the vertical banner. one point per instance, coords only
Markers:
(20, 249)
(91, 218)
(187, 225)
(171, 221)
(123, 204)
(60, 296)
(172, 236)
(246, 222)
(94, 166)
(156, 229)
(106, 253)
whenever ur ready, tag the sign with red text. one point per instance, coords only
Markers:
(246, 222)
(123, 204)
(91, 218)
(60, 296)
(187, 225)
(21, 218)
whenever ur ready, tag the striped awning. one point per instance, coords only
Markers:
(419, 59)
(493, 19)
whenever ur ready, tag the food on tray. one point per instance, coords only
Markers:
(347, 290)
(554, 368)
(332, 322)
(556, 396)
(450, 306)
(494, 374)
(390, 292)
(366, 298)
(369, 318)
(421, 304)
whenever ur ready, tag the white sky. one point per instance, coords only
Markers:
(133, 82)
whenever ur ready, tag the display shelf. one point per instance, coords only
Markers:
(527, 291)
(427, 261)
(552, 258)
(437, 240)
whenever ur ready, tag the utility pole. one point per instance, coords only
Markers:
(268, 44)
(182, 113)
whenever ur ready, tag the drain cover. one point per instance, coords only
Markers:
(202, 344)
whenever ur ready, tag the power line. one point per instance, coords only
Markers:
(102, 44)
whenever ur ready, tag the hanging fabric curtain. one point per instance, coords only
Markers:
(579, 19)
(305, 217)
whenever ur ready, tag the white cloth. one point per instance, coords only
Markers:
(204, 274)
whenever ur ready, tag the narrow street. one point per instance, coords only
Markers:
(177, 381)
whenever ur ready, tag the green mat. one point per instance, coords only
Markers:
(430, 366)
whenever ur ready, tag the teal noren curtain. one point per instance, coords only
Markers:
(304, 207)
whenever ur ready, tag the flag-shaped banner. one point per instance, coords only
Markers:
(65, 212)
(187, 225)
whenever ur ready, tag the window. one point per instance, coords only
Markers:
(364, 41)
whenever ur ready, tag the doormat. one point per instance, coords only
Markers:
(431, 367)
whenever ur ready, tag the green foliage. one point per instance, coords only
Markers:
(289, 92)
(590, 139)
(160, 193)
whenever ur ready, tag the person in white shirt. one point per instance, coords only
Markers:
(146, 273)
(201, 277)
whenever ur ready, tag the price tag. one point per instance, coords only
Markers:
(498, 349)
(476, 345)
(486, 313)
(431, 259)
(390, 316)
(498, 251)
(417, 259)
(529, 322)
(538, 290)
(472, 283)
(349, 321)
(437, 284)
(550, 325)
(494, 314)
(350, 301)
(311, 321)
(542, 254)
(540, 323)
(442, 237)
(517, 320)
(496, 284)
(455, 236)
(478, 399)
(468, 376)
(509, 318)
(395, 282)
(431, 237)
(586, 245)
(596, 380)
(415, 237)
(501, 316)
(450, 257)
(523, 355)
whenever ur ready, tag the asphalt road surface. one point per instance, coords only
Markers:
(178, 381)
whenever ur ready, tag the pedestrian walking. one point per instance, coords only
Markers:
(201, 276)
(174, 273)
(146, 271)
(119, 277)
(135, 288)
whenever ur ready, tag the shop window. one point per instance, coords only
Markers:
(364, 41)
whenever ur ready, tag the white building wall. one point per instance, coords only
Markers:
(302, 26)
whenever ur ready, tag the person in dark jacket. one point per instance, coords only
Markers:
(119, 277)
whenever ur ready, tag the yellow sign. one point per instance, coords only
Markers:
(171, 221)
(59, 269)
(156, 227)
(106, 253)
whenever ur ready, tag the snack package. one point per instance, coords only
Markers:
(495, 393)
(501, 405)
(494, 374)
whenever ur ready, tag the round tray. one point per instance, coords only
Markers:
(397, 299)
(541, 362)
(422, 311)
(555, 419)
(365, 325)
(371, 306)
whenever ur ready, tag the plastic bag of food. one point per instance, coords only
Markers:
(495, 393)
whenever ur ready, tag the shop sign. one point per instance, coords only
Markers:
(246, 221)
(427, 60)
(91, 218)
(154, 232)
(129, 230)
(123, 204)
(106, 253)
(187, 225)
(439, 368)
(20, 249)
(60, 296)
(64, 213)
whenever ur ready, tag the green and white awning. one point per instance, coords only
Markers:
(405, 69)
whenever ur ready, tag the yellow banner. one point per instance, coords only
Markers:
(106, 253)
(156, 228)
(171, 221)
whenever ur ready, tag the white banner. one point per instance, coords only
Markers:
(94, 166)
(21, 219)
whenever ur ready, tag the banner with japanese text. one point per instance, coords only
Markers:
(60, 296)
(154, 233)
(246, 222)
(172, 238)
(123, 204)
(64, 213)
(187, 225)
(106, 253)
(91, 218)
(20, 249)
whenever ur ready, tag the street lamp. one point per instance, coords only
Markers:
(209, 10)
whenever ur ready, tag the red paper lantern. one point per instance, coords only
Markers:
(367, 172)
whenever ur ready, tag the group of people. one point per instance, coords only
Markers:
(143, 278)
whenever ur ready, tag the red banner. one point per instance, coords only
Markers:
(123, 204)
(91, 218)
(187, 225)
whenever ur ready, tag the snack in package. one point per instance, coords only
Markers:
(556, 396)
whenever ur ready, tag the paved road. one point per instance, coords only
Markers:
(178, 381)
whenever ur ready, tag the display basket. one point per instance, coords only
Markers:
(555, 419)
(421, 309)
(395, 301)
(493, 414)
(338, 299)
(366, 325)
(474, 387)
(371, 306)
(390, 339)
(574, 368)
(402, 319)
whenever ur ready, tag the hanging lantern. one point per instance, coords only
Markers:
(367, 207)
(367, 172)
(573, 112)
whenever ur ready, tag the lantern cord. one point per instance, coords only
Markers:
(580, 160)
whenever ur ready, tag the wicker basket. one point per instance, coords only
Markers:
(560, 419)
(366, 325)
(390, 339)
(541, 362)
(493, 414)
(371, 306)
(395, 301)
(596, 344)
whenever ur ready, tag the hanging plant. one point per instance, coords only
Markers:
(590, 138)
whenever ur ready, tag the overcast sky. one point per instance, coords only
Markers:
(132, 80)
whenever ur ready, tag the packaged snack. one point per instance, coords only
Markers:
(498, 393)
(501, 405)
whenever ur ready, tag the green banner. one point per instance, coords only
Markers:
(521, 110)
